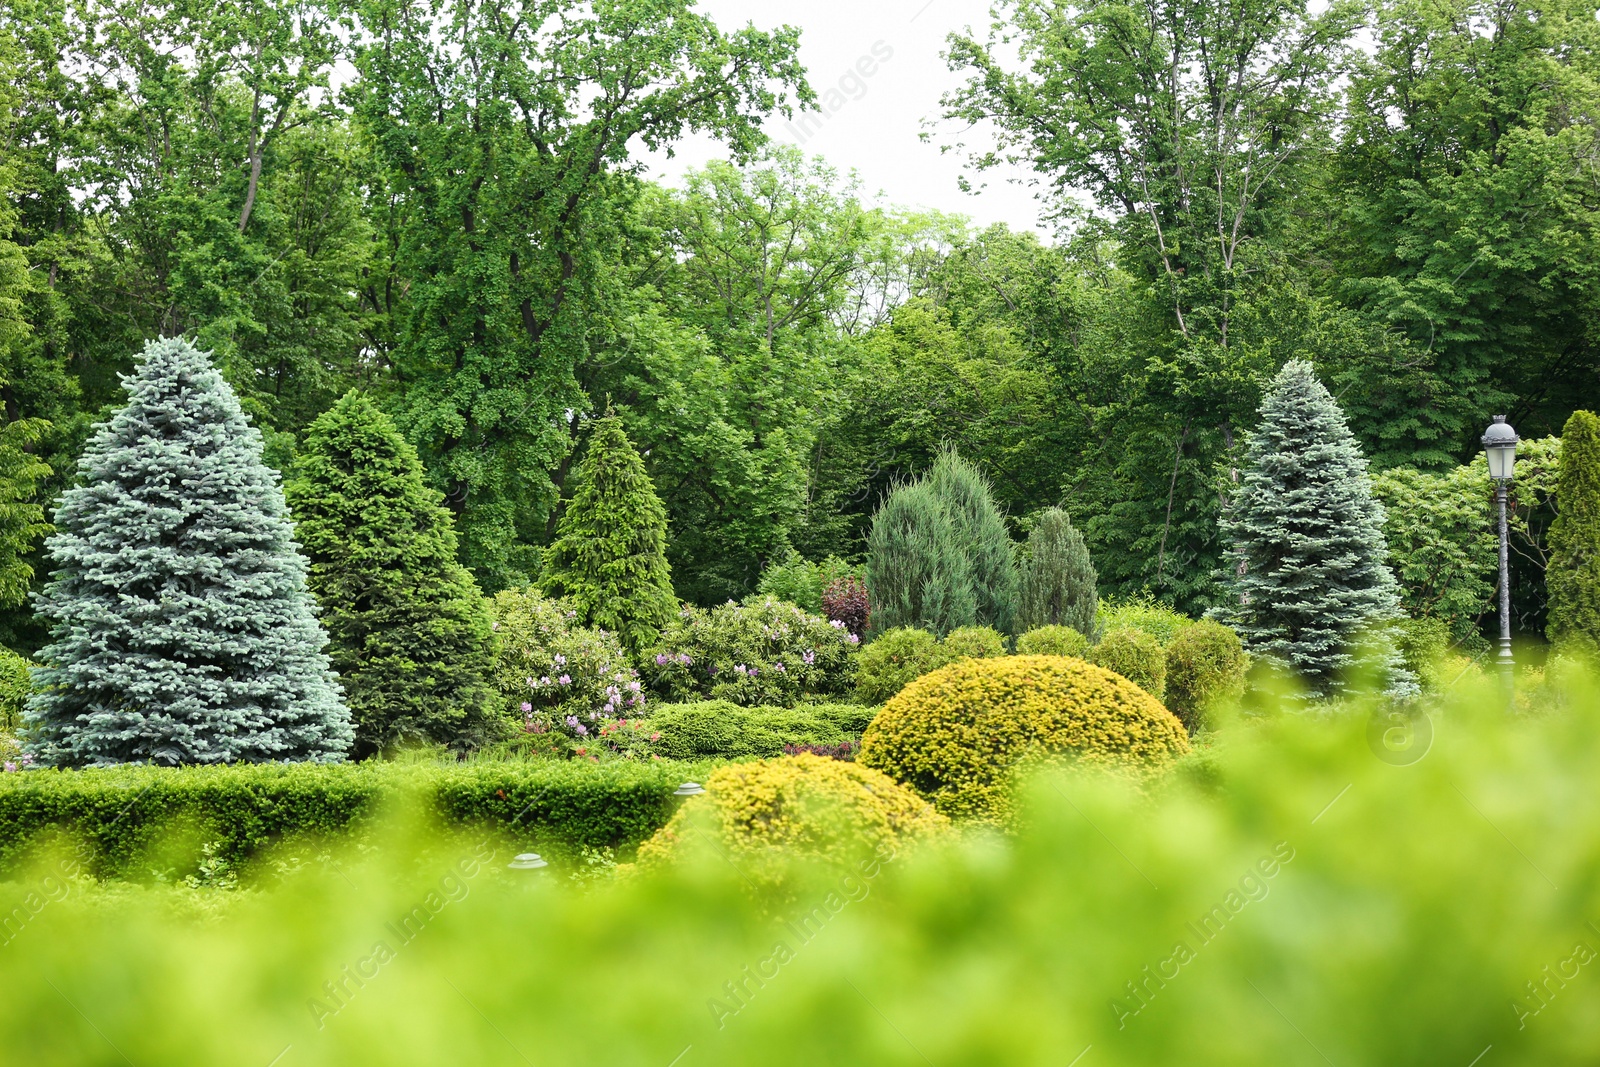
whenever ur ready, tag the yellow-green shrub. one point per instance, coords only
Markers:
(1142, 612)
(797, 805)
(977, 642)
(1136, 655)
(954, 735)
(1053, 641)
(15, 685)
(1206, 664)
(895, 658)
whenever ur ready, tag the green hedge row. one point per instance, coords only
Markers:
(117, 819)
(717, 728)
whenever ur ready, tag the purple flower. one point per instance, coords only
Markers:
(545, 680)
(779, 668)
(10, 767)
(611, 690)
(809, 658)
(836, 624)
(633, 687)
(662, 659)
(740, 668)
(572, 720)
(526, 707)
(852, 639)
(683, 658)
(583, 731)
(561, 661)
(565, 679)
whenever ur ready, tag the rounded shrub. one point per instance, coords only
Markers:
(1053, 641)
(763, 651)
(1136, 655)
(954, 735)
(1142, 612)
(806, 805)
(1206, 664)
(895, 659)
(975, 642)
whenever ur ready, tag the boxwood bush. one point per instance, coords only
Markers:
(894, 659)
(1053, 641)
(1136, 655)
(1206, 664)
(117, 817)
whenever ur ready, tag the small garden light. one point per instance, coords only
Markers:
(527, 861)
(1500, 446)
(689, 789)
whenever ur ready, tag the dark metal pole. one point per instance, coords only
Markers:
(1504, 659)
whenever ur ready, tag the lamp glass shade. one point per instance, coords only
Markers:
(1500, 446)
(1501, 459)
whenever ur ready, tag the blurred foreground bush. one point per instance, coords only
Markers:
(1315, 905)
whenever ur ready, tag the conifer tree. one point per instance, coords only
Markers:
(1058, 578)
(409, 631)
(1308, 576)
(917, 573)
(609, 560)
(1573, 573)
(981, 533)
(182, 628)
(21, 517)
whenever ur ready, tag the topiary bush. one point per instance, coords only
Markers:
(554, 675)
(1206, 665)
(1142, 612)
(718, 729)
(893, 660)
(954, 735)
(760, 652)
(1135, 655)
(805, 805)
(976, 642)
(1053, 641)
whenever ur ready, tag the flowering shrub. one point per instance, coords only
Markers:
(556, 676)
(760, 652)
(845, 600)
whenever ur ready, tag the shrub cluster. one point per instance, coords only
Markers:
(717, 728)
(974, 642)
(1206, 665)
(1053, 641)
(555, 675)
(15, 686)
(895, 659)
(120, 816)
(804, 583)
(760, 652)
(1142, 612)
(1136, 655)
(954, 735)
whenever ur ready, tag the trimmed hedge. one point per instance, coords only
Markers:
(718, 728)
(1053, 641)
(976, 642)
(894, 659)
(1206, 665)
(120, 816)
(1136, 655)
(955, 735)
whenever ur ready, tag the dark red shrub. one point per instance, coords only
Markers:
(845, 601)
(844, 750)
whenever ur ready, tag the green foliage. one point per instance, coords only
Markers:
(918, 570)
(1141, 612)
(608, 561)
(1053, 641)
(761, 652)
(554, 674)
(1057, 576)
(955, 735)
(721, 729)
(894, 659)
(981, 535)
(1573, 575)
(1309, 571)
(1134, 654)
(802, 582)
(976, 642)
(122, 815)
(1206, 667)
(1442, 547)
(21, 517)
(183, 630)
(408, 633)
(16, 685)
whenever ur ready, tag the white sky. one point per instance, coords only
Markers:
(875, 131)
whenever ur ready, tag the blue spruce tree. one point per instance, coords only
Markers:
(1308, 575)
(182, 628)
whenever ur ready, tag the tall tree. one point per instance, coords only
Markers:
(609, 557)
(1058, 578)
(504, 131)
(1573, 575)
(409, 633)
(1309, 565)
(917, 571)
(981, 534)
(183, 630)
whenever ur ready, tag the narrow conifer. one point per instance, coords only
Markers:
(609, 560)
(410, 633)
(981, 533)
(1309, 576)
(917, 573)
(183, 630)
(1573, 573)
(1058, 578)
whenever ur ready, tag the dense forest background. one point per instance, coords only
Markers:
(443, 204)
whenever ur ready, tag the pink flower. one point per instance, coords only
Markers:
(852, 639)
(565, 679)
(526, 707)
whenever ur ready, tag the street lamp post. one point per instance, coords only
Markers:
(1500, 446)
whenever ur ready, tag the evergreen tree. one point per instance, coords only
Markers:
(182, 628)
(409, 632)
(1058, 578)
(917, 573)
(1309, 576)
(981, 533)
(608, 560)
(21, 519)
(1573, 574)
